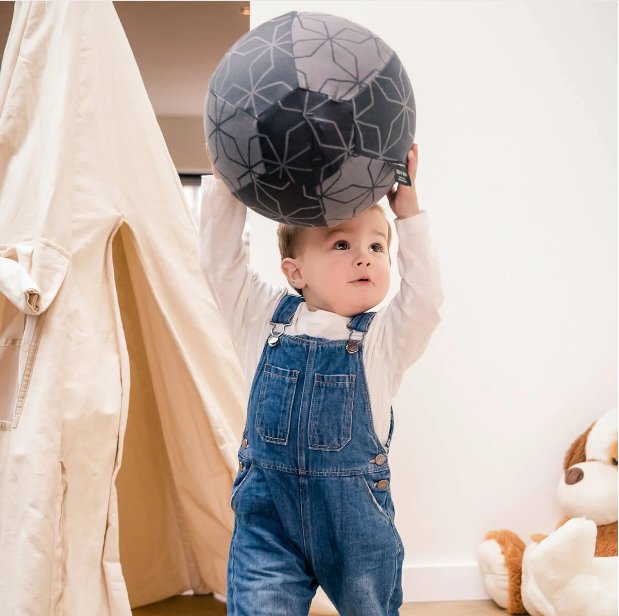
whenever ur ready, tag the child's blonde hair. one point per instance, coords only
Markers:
(289, 239)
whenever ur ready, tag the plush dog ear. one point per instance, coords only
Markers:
(576, 453)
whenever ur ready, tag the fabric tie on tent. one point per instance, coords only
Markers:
(18, 287)
(24, 262)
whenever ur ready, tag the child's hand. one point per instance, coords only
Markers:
(403, 200)
(210, 162)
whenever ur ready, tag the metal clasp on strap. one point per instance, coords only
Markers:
(276, 332)
(354, 341)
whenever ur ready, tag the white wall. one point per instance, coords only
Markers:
(517, 132)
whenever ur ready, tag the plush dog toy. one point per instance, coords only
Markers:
(573, 571)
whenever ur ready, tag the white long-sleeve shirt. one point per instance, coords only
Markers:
(396, 338)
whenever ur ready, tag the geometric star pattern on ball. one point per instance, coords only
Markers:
(303, 116)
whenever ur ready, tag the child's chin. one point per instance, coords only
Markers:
(351, 311)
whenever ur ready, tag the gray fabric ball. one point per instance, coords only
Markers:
(305, 115)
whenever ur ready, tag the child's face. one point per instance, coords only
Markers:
(343, 269)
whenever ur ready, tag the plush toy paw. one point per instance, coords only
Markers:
(561, 576)
(500, 561)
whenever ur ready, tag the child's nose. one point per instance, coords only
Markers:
(362, 257)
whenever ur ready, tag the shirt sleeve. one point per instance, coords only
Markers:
(245, 300)
(406, 324)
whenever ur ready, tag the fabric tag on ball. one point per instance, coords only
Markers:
(401, 172)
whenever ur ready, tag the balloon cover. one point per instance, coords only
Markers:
(308, 117)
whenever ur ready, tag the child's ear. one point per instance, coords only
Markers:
(293, 274)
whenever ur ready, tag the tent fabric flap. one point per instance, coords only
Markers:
(31, 274)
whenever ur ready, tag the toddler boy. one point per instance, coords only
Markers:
(312, 496)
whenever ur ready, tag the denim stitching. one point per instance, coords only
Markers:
(373, 499)
(286, 406)
(321, 383)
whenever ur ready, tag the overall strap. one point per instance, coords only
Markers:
(282, 317)
(358, 327)
(361, 322)
(286, 308)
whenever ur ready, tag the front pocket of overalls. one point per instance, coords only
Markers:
(275, 400)
(380, 499)
(241, 480)
(330, 419)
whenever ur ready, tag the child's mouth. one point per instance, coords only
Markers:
(363, 280)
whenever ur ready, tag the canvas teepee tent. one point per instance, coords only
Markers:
(99, 281)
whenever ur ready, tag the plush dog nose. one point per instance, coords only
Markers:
(573, 475)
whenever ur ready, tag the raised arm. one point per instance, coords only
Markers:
(408, 321)
(243, 298)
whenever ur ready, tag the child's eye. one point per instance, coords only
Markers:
(376, 247)
(341, 245)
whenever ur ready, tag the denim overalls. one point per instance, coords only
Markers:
(311, 499)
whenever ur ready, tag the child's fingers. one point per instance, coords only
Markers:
(412, 161)
(391, 195)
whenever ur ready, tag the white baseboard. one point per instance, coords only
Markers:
(442, 582)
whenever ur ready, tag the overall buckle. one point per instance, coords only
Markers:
(354, 341)
(276, 332)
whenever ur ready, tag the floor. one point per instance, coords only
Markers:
(208, 606)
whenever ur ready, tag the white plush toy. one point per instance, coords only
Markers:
(573, 571)
(562, 577)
